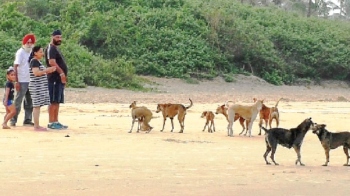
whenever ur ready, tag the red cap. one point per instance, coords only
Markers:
(27, 38)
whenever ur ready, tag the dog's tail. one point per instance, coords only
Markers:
(266, 130)
(190, 104)
(278, 102)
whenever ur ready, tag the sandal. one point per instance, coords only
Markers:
(40, 129)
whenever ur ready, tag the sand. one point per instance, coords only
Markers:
(97, 155)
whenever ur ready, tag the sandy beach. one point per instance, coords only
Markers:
(97, 156)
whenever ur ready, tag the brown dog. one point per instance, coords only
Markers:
(247, 112)
(144, 116)
(268, 114)
(332, 141)
(171, 110)
(221, 109)
(209, 116)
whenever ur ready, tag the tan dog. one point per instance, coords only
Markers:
(140, 119)
(247, 112)
(223, 110)
(209, 116)
(268, 114)
(144, 116)
(171, 110)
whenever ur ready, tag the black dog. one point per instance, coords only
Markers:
(287, 138)
(331, 140)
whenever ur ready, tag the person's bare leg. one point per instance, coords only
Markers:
(36, 115)
(53, 112)
(6, 114)
(56, 112)
(11, 111)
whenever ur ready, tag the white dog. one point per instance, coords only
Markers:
(249, 113)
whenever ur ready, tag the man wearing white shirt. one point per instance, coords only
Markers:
(21, 66)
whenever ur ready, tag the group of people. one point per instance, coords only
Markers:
(35, 84)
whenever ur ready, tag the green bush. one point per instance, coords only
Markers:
(107, 42)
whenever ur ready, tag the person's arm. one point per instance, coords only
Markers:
(17, 85)
(34, 64)
(37, 72)
(16, 65)
(52, 61)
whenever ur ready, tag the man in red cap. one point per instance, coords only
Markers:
(21, 66)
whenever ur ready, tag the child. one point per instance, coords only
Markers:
(8, 98)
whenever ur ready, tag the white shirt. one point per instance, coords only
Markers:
(21, 60)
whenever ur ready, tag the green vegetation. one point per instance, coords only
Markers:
(109, 42)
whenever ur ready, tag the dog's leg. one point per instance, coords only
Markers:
(326, 151)
(140, 121)
(213, 125)
(146, 121)
(132, 124)
(229, 129)
(268, 150)
(205, 126)
(241, 121)
(209, 128)
(164, 119)
(172, 124)
(273, 151)
(266, 122)
(231, 120)
(346, 151)
(260, 124)
(249, 127)
(181, 122)
(149, 128)
(297, 150)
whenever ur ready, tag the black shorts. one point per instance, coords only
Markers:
(56, 92)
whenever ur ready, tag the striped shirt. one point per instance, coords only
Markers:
(38, 85)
